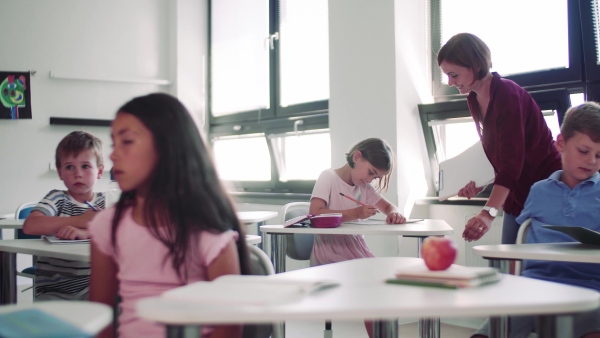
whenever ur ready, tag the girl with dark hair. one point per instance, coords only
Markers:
(173, 224)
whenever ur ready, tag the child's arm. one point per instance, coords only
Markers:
(39, 224)
(319, 206)
(70, 232)
(226, 263)
(393, 213)
(103, 284)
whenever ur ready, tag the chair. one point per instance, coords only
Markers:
(260, 264)
(298, 246)
(522, 239)
(22, 212)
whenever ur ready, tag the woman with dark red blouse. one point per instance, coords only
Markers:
(511, 127)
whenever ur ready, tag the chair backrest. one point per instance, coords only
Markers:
(22, 212)
(298, 246)
(260, 264)
(522, 239)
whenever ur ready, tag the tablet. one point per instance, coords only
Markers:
(582, 234)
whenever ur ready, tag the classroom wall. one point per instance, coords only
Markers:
(109, 50)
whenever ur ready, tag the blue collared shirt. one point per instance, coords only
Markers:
(551, 201)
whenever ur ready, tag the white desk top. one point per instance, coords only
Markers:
(40, 247)
(11, 223)
(256, 216)
(88, 316)
(253, 239)
(427, 227)
(565, 252)
(365, 296)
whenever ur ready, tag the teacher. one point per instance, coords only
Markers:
(512, 129)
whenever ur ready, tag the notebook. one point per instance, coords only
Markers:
(374, 221)
(456, 276)
(55, 240)
(247, 290)
(581, 234)
(35, 323)
(470, 165)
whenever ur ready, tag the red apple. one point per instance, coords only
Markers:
(438, 252)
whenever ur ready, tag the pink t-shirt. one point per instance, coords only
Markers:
(144, 270)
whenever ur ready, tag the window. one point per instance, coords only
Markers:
(269, 92)
(538, 48)
(449, 128)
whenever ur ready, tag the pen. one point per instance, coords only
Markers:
(352, 199)
(91, 206)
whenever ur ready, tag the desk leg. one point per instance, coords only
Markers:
(499, 325)
(429, 327)
(8, 278)
(278, 248)
(554, 326)
(385, 329)
(183, 331)
(258, 225)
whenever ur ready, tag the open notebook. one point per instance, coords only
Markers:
(376, 221)
(247, 290)
(55, 240)
(35, 323)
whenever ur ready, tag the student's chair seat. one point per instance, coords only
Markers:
(260, 264)
(522, 239)
(22, 212)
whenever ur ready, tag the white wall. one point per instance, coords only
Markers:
(108, 39)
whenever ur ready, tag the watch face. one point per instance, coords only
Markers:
(492, 211)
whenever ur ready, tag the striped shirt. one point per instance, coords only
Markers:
(59, 278)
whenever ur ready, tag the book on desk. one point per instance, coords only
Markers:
(581, 234)
(456, 276)
(56, 240)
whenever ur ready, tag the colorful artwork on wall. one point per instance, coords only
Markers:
(15, 95)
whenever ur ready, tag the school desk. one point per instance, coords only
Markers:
(11, 223)
(500, 255)
(363, 294)
(39, 247)
(421, 230)
(87, 316)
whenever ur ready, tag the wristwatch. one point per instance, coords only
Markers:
(491, 210)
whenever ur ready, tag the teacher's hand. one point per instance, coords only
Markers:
(477, 226)
(469, 190)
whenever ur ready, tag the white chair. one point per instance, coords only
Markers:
(521, 239)
(298, 246)
(260, 264)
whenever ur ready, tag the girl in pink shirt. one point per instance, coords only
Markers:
(173, 224)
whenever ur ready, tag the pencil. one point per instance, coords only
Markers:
(352, 199)
(91, 206)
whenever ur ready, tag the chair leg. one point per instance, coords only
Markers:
(328, 333)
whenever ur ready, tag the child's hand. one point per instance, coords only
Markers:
(71, 233)
(365, 211)
(395, 218)
(88, 215)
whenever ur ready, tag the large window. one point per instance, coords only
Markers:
(269, 92)
(553, 53)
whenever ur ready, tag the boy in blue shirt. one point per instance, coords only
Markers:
(570, 196)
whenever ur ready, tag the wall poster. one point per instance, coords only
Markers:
(15, 95)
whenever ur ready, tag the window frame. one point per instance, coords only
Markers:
(590, 54)
(532, 80)
(551, 99)
(274, 120)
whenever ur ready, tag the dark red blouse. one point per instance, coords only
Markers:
(516, 140)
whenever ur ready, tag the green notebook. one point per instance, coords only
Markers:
(35, 323)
